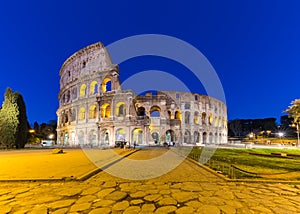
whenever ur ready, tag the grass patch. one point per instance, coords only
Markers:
(272, 166)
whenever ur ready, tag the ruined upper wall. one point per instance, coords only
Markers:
(91, 59)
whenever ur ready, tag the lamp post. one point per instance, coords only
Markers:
(280, 134)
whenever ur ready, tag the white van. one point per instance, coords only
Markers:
(47, 143)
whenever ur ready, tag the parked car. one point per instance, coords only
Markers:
(47, 143)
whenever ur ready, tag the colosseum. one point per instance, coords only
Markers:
(94, 111)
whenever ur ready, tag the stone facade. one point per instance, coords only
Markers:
(95, 111)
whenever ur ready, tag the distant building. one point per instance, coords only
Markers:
(95, 111)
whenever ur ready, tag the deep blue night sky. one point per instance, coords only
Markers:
(253, 45)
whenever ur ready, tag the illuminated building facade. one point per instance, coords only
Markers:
(95, 111)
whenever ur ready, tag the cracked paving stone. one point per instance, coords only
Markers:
(227, 209)
(6, 197)
(139, 194)
(167, 201)
(120, 206)
(105, 192)
(261, 209)
(62, 203)
(70, 192)
(104, 210)
(91, 191)
(109, 184)
(148, 207)
(194, 204)
(103, 203)
(61, 211)
(145, 187)
(205, 209)
(80, 207)
(152, 198)
(136, 201)
(116, 196)
(86, 199)
(132, 210)
(191, 186)
(165, 192)
(212, 200)
(166, 209)
(20, 190)
(182, 197)
(185, 210)
(4, 192)
(39, 209)
(207, 193)
(224, 194)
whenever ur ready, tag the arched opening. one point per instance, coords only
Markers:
(204, 138)
(105, 110)
(105, 137)
(187, 117)
(216, 138)
(196, 137)
(155, 137)
(93, 112)
(170, 136)
(137, 136)
(178, 115)
(141, 111)
(203, 118)
(73, 114)
(82, 92)
(216, 121)
(120, 134)
(170, 115)
(81, 138)
(81, 115)
(120, 109)
(187, 137)
(210, 138)
(94, 87)
(92, 137)
(106, 85)
(196, 118)
(66, 138)
(210, 119)
(155, 111)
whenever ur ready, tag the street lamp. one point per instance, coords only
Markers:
(251, 135)
(280, 134)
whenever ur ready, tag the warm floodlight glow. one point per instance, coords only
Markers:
(51, 136)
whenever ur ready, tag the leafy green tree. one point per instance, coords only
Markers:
(13, 121)
(294, 111)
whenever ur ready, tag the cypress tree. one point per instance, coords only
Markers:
(22, 129)
(13, 121)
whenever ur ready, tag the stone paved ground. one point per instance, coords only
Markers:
(187, 189)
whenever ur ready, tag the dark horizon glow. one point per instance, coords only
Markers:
(253, 46)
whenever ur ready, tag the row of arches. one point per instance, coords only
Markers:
(198, 118)
(120, 110)
(94, 87)
(85, 90)
(71, 115)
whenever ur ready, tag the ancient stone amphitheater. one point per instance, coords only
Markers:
(94, 111)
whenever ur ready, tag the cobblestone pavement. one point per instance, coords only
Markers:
(187, 189)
